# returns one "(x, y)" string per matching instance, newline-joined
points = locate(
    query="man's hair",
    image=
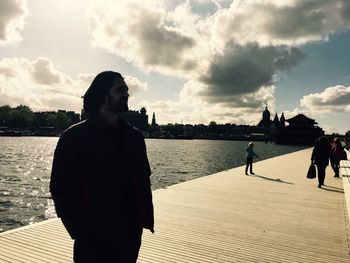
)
(98, 90)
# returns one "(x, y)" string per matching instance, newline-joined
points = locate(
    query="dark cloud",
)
(239, 70)
(9, 10)
(161, 46)
(344, 6)
(289, 58)
(286, 22)
(230, 114)
(242, 70)
(341, 100)
(296, 21)
(309, 18)
(242, 101)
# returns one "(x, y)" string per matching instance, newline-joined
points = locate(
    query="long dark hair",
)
(98, 90)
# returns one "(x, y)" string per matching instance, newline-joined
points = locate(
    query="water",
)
(25, 166)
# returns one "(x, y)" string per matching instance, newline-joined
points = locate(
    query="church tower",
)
(154, 123)
(276, 120)
(283, 120)
(266, 116)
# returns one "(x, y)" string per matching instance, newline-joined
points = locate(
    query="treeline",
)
(23, 118)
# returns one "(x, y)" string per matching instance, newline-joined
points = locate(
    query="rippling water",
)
(25, 165)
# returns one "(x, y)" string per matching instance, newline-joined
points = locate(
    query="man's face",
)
(117, 98)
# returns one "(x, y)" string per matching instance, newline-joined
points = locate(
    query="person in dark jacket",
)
(320, 157)
(337, 154)
(100, 180)
(250, 154)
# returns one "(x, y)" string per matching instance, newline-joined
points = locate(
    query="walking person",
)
(250, 154)
(337, 154)
(320, 157)
(100, 178)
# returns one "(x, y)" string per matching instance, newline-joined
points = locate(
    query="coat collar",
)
(96, 122)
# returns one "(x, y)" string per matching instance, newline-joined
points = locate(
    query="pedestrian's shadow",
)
(277, 180)
(327, 188)
(334, 187)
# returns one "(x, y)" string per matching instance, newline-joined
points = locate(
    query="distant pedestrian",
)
(337, 154)
(249, 158)
(320, 156)
(100, 180)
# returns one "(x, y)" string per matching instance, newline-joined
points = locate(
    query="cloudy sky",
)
(187, 61)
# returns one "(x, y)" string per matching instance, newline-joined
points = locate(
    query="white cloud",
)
(229, 52)
(134, 84)
(153, 37)
(43, 72)
(36, 84)
(290, 22)
(40, 85)
(181, 42)
(12, 19)
(235, 50)
(140, 33)
(332, 100)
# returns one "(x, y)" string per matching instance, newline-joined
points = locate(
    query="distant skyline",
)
(188, 61)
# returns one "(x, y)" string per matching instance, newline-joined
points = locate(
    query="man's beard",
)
(117, 107)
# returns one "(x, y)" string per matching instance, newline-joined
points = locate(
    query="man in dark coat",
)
(100, 177)
(320, 157)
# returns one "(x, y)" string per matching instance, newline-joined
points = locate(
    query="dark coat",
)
(337, 152)
(100, 180)
(321, 153)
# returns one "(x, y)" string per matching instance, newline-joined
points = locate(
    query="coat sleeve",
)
(313, 155)
(143, 192)
(65, 186)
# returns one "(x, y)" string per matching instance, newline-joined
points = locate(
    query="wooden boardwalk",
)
(275, 216)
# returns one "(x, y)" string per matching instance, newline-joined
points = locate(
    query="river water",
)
(25, 166)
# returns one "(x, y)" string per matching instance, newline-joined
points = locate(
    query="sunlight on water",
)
(25, 166)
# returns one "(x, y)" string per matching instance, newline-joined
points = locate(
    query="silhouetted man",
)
(100, 177)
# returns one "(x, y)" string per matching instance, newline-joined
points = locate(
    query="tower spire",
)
(154, 123)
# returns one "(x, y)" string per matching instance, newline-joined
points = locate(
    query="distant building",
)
(282, 121)
(276, 122)
(138, 119)
(265, 122)
(301, 131)
(154, 123)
